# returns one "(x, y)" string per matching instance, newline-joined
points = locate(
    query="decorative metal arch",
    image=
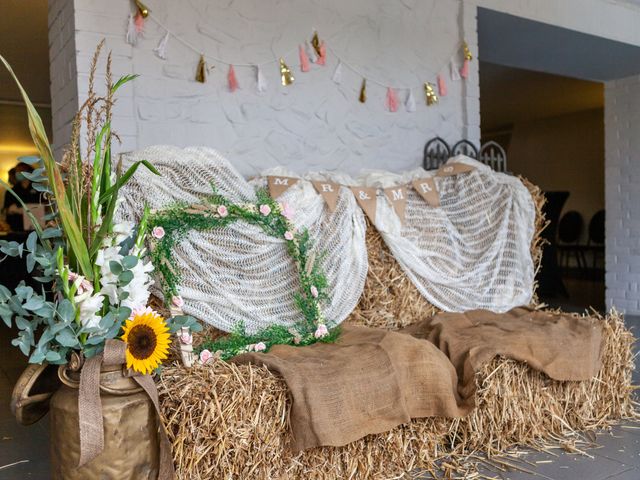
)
(493, 155)
(464, 147)
(436, 153)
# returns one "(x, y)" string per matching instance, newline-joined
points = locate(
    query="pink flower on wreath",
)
(177, 301)
(259, 347)
(158, 232)
(288, 235)
(314, 291)
(286, 211)
(321, 331)
(265, 209)
(205, 356)
(222, 211)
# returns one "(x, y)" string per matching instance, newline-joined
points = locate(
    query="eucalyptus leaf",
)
(115, 267)
(23, 291)
(125, 277)
(67, 338)
(22, 342)
(5, 293)
(32, 241)
(53, 356)
(6, 314)
(66, 311)
(34, 303)
(37, 356)
(31, 262)
(52, 233)
(129, 262)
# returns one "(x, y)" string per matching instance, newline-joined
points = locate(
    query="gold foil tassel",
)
(315, 43)
(201, 71)
(142, 8)
(285, 74)
(363, 91)
(430, 94)
(467, 52)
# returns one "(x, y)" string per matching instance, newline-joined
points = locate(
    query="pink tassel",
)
(233, 81)
(139, 23)
(464, 71)
(322, 59)
(392, 100)
(304, 59)
(442, 86)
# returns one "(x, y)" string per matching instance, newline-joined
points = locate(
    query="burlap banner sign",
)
(453, 169)
(426, 188)
(279, 185)
(330, 192)
(397, 196)
(366, 198)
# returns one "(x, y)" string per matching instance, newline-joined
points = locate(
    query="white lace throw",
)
(471, 252)
(239, 273)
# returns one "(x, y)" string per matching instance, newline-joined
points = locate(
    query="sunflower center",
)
(141, 341)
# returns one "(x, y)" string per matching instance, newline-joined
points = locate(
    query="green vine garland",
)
(167, 228)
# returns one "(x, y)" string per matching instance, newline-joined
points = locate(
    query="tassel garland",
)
(311, 53)
(132, 33)
(466, 51)
(442, 86)
(363, 91)
(286, 76)
(429, 94)
(231, 78)
(322, 58)
(139, 23)
(304, 59)
(201, 71)
(142, 8)
(315, 43)
(337, 74)
(453, 68)
(464, 71)
(161, 49)
(410, 102)
(392, 100)
(261, 82)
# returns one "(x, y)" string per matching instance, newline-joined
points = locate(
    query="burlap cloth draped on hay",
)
(372, 380)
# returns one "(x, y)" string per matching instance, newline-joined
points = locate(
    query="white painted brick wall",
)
(622, 193)
(315, 124)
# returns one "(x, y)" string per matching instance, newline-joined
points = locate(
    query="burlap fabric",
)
(372, 380)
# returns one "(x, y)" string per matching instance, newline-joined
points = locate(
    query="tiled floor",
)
(24, 451)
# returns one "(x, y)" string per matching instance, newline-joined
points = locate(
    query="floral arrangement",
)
(90, 275)
(168, 227)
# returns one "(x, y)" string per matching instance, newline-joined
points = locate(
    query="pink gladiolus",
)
(265, 209)
(158, 232)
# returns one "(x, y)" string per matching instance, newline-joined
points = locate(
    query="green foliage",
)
(179, 219)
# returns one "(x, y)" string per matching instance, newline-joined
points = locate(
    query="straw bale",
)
(229, 421)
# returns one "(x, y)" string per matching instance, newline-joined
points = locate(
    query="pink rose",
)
(288, 235)
(177, 301)
(157, 232)
(187, 339)
(286, 211)
(321, 331)
(250, 347)
(314, 291)
(265, 209)
(259, 347)
(205, 356)
(222, 211)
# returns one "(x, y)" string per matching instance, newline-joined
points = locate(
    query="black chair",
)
(569, 233)
(595, 243)
(550, 282)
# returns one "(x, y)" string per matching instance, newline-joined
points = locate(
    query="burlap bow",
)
(90, 407)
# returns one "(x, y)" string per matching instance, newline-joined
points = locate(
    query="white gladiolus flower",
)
(138, 288)
(88, 309)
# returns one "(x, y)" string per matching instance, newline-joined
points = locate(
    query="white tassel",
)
(311, 52)
(161, 49)
(410, 102)
(261, 81)
(455, 71)
(337, 74)
(132, 34)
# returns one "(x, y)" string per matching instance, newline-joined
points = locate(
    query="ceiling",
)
(512, 95)
(522, 43)
(24, 43)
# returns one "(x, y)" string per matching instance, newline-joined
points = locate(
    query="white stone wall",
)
(622, 193)
(314, 124)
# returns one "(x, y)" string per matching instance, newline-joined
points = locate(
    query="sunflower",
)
(147, 337)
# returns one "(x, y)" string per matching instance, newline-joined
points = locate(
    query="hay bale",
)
(390, 300)
(228, 421)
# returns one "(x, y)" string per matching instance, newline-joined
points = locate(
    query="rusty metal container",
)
(130, 430)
